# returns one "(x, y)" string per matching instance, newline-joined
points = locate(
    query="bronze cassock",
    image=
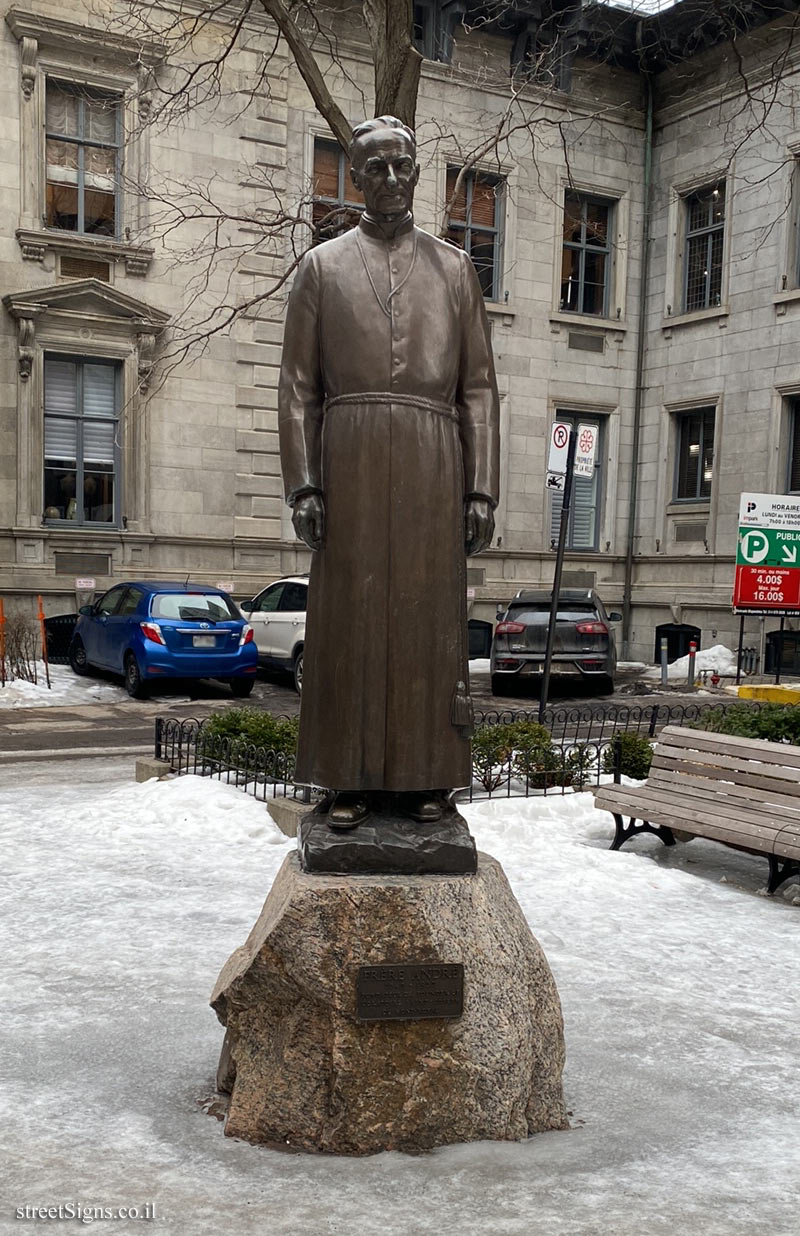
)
(389, 409)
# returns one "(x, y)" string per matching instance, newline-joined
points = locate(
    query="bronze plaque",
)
(409, 992)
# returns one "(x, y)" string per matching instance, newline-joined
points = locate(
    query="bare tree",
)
(212, 228)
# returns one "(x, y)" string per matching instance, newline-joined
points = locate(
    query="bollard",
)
(692, 656)
(40, 616)
(664, 665)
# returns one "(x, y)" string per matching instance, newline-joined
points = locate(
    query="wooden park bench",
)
(742, 792)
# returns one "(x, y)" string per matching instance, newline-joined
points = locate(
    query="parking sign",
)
(585, 451)
(559, 446)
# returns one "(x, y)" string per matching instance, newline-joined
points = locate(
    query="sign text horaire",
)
(768, 555)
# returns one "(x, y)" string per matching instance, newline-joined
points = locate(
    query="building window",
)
(337, 203)
(82, 160)
(793, 479)
(81, 440)
(586, 255)
(433, 28)
(695, 456)
(476, 224)
(705, 238)
(583, 531)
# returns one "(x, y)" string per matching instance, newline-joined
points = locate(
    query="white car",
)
(278, 618)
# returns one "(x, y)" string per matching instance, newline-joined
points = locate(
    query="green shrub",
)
(536, 761)
(247, 726)
(525, 749)
(772, 722)
(580, 765)
(492, 748)
(636, 756)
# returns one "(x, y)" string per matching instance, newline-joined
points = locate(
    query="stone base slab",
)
(287, 814)
(386, 843)
(305, 1072)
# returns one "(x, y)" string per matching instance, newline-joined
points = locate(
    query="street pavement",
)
(128, 726)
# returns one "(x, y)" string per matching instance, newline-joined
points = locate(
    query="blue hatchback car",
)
(148, 630)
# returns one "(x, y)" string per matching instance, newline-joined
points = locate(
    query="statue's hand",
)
(478, 525)
(308, 517)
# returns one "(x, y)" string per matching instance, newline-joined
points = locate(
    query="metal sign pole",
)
(562, 541)
(739, 657)
(779, 652)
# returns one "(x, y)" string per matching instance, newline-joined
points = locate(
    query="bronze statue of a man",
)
(388, 416)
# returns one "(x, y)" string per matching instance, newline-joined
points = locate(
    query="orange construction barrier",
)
(43, 629)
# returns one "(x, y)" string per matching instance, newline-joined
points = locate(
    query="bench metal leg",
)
(779, 871)
(624, 831)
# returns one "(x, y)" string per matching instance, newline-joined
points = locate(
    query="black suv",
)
(584, 645)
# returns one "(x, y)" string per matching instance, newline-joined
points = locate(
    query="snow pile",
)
(123, 901)
(65, 688)
(718, 659)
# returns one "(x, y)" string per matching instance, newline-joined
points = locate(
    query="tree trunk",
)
(397, 62)
(310, 72)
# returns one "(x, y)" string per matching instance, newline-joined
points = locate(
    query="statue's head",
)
(384, 166)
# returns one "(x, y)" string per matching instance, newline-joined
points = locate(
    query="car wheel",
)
(134, 684)
(77, 657)
(297, 672)
(242, 687)
(605, 685)
(501, 684)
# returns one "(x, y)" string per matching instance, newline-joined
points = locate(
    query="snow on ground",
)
(65, 688)
(679, 995)
(718, 658)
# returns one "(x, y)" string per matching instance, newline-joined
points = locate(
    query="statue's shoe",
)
(348, 811)
(426, 808)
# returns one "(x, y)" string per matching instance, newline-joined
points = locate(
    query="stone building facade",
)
(635, 229)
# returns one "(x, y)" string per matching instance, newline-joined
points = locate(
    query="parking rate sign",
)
(768, 555)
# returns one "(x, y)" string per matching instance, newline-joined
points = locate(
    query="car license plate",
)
(204, 641)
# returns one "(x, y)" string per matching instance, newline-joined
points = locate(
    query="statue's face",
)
(385, 172)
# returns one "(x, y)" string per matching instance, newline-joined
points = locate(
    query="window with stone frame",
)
(704, 221)
(337, 203)
(793, 469)
(583, 530)
(476, 224)
(434, 25)
(81, 440)
(586, 259)
(694, 455)
(83, 145)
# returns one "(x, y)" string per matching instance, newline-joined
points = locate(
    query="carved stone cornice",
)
(86, 298)
(35, 244)
(104, 42)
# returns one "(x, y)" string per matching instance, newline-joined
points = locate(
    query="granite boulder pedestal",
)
(309, 1064)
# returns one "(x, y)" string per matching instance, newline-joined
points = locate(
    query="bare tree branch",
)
(310, 72)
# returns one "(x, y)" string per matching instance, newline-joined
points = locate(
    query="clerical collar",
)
(379, 231)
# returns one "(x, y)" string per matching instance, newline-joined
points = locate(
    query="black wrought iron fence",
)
(188, 748)
(573, 723)
(574, 750)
